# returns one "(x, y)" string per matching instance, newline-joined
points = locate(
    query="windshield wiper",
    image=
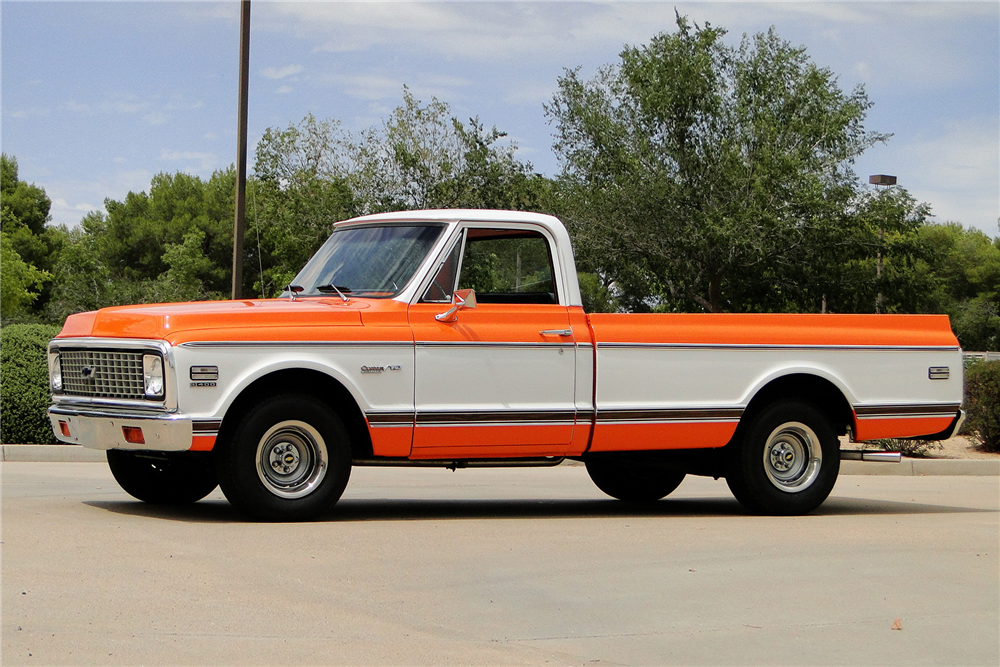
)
(331, 288)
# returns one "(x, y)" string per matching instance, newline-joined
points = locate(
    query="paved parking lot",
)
(529, 566)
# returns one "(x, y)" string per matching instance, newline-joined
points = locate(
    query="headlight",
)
(55, 372)
(152, 375)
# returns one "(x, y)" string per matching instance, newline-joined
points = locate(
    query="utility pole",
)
(240, 223)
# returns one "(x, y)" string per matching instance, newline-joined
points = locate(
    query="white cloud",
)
(284, 90)
(202, 162)
(31, 112)
(156, 118)
(957, 171)
(281, 72)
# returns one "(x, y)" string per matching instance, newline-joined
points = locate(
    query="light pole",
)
(240, 222)
(877, 180)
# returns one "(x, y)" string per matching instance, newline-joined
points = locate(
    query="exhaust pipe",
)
(873, 457)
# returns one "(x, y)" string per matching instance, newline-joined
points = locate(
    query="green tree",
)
(30, 245)
(20, 279)
(172, 244)
(700, 175)
(958, 273)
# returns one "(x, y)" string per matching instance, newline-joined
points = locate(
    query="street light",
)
(877, 180)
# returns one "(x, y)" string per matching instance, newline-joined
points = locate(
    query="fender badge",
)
(379, 369)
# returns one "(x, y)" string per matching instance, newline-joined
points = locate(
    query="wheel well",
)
(818, 391)
(300, 380)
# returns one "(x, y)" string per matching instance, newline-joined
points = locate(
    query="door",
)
(498, 379)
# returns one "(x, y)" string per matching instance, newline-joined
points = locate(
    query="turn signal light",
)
(64, 428)
(133, 434)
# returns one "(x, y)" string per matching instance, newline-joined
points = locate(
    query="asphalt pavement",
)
(500, 567)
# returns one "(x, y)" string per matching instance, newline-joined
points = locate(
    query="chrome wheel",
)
(793, 457)
(292, 459)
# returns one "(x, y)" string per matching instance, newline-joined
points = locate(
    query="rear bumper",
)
(105, 429)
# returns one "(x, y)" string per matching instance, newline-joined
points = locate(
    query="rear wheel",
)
(787, 462)
(631, 481)
(163, 477)
(288, 460)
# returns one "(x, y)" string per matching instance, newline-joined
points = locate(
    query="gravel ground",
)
(961, 447)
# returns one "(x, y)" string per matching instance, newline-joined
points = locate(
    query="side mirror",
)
(460, 300)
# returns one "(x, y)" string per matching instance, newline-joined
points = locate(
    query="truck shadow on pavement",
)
(382, 509)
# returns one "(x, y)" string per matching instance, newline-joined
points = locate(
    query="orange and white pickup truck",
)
(457, 338)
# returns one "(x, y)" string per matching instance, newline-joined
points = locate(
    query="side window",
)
(443, 285)
(508, 266)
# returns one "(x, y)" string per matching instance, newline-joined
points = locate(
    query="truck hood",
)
(275, 319)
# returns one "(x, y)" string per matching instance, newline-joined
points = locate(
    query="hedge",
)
(24, 384)
(982, 403)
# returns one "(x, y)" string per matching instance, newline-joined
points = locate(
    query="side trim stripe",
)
(492, 344)
(297, 343)
(205, 427)
(496, 417)
(383, 419)
(666, 415)
(883, 411)
(750, 346)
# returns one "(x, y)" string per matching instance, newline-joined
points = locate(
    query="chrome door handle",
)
(556, 332)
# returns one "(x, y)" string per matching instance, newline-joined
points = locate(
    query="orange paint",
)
(202, 443)
(775, 329)
(460, 439)
(687, 435)
(391, 441)
(899, 427)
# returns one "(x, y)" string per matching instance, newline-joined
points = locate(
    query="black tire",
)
(289, 459)
(787, 462)
(631, 481)
(169, 478)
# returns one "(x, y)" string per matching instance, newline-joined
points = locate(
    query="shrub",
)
(24, 384)
(982, 403)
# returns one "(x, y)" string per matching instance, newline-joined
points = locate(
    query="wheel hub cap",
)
(793, 457)
(292, 459)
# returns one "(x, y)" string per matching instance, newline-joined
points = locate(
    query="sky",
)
(98, 97)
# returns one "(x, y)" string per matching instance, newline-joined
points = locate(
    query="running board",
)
(453, 464)
(873, 457)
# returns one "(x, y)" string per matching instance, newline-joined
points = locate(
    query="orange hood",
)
(271, 319)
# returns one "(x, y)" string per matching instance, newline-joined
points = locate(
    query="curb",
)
(906, 468)
(922, 467)
(50, 454)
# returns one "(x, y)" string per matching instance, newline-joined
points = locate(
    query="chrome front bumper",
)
(104, 429)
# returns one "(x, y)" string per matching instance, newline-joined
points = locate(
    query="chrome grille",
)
(102, 373)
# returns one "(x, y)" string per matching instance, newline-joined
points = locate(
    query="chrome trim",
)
(668, 415)
(158, 415)
(920, 410)
(776, 346)
(938, 373)
(296, 343)
(390, 419)
(493, 344)
(496, 418)
(169, 401)
(100, 429)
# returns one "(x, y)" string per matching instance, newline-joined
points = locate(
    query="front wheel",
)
(169, 478)
(631, 480)
(288, 460)
(787, 462)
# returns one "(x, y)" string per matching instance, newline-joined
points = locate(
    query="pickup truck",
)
(457, 338)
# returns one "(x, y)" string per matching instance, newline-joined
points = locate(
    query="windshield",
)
(369, 261)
